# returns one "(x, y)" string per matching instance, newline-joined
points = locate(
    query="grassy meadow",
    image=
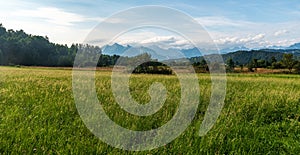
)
(38, 114)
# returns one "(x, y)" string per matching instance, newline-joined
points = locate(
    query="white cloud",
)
(228, 33)
(223, 21)
(149, 38)
(115, 21)
(250, 40)
(281, 32)
(285, 42)
(243, 40)
(53, 15)
(258, 37)
(56, 33)
(160, 39)
(59, 25)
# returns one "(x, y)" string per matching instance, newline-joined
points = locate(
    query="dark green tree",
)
(253, 64)
(288, 61)
(242, 67)
(273, 60)
(230, 64)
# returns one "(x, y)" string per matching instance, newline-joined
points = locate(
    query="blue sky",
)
(230, 23)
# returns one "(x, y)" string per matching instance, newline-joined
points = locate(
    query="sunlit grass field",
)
(38, 114)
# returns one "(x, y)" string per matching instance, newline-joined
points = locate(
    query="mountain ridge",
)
(162, 54)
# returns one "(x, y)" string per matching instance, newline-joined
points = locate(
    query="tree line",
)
(288, 62)
(20, 48)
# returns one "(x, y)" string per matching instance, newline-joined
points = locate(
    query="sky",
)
(232, 23)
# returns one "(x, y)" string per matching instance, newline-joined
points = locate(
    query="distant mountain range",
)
(243, 48)
(164, 54)
(233, 49)
(294, 46)
(155, 51)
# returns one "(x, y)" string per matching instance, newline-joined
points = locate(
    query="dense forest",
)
(19, 48)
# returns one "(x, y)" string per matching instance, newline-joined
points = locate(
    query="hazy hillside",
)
(244, 57)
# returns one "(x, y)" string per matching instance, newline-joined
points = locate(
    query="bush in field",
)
(201, 66)
(152, 67)
(277, 65)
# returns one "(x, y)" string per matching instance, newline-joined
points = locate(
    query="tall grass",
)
(38, 114)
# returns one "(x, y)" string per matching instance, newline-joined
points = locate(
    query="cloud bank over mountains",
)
(230, 24)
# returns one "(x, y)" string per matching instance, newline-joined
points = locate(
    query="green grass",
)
(38, 114)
